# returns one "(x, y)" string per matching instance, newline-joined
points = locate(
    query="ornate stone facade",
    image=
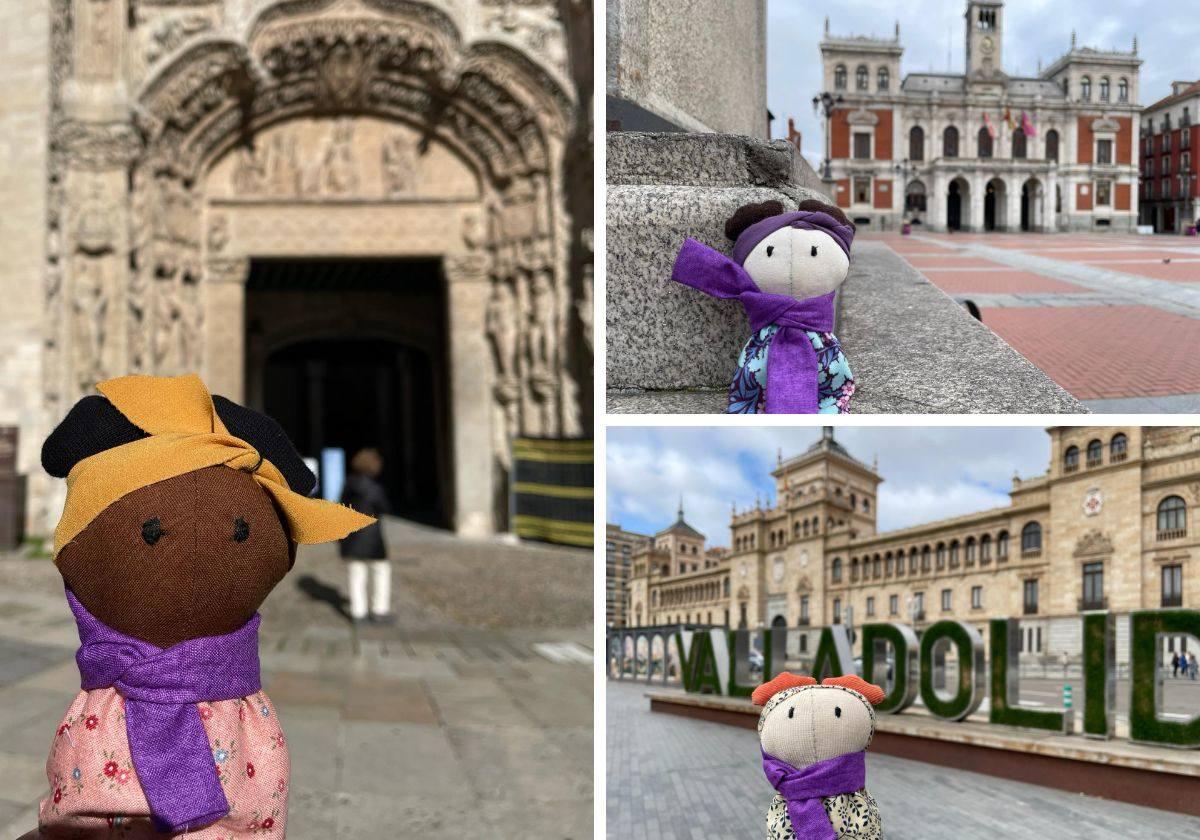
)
(1110, 525)
(936, 149)
(190, 140)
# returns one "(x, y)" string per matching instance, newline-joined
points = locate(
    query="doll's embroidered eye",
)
(814, 250)
(241, 530)
(770, 250)
(792, 712)
(837, 711)
(152, 531)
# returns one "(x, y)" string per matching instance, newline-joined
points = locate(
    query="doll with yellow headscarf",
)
(183, 511)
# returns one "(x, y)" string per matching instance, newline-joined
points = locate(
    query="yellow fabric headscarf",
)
(185, 434)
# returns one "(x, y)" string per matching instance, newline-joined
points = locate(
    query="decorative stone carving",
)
(96, 146)
(336, 172)
(542, 318)
(171, 33)
(504, 331)
(1093, 544)
(399, 166)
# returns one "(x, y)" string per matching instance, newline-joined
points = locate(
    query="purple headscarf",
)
(842, 233)
(802, 789)
(167, 742)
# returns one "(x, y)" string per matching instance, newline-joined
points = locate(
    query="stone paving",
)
(1105, 316)
(675, 778)
(471, 717)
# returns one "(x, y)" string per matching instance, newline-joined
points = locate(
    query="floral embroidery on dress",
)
(835, 382)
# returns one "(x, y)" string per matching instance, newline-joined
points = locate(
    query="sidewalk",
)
(471, 717)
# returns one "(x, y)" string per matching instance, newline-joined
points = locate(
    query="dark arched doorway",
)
(993, 205)
(347, 354)
(954, 202)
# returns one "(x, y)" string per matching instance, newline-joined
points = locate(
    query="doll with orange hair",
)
(814, 739)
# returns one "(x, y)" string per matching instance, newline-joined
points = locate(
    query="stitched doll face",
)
(797, 262)
(814, 723)
(190, 556)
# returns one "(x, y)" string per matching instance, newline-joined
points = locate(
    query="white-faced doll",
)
(785, 269)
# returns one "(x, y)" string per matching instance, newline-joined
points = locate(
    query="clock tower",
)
(984, 21)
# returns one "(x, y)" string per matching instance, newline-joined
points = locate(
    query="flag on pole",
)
(1027, 125)
(1008, 118)
(991, 129)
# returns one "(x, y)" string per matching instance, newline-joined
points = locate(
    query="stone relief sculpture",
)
(336, 172)
(399, 166)
(541, 323)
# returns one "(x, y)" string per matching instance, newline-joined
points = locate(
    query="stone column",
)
(938, 200)
(1049, 216)
(1012, 199)
(470, 396)
(978, 190)
(225, 326)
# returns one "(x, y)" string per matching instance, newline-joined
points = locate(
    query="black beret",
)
(94, 424)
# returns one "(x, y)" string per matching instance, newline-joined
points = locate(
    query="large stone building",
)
(1106, 527)
(1169, 202)
(369, 218)
(936, 148)
(674, 572)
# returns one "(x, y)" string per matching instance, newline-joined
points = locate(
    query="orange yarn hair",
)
(782, 682)
(873, 693)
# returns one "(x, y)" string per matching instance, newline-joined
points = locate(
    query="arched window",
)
(839, 77)
(914, 201)
(1071, 459)
(1002, 546)
(876, 566)
(806, 527)
(954, 554)
(1095, 453)
(862, 78)
(912, 560)
(925, 559)
(950, 142)
(1031, 538)
(1052, 145)
(985, 548)
(941, 556)
(1085, 88)
(985, 143)
(1172, 518)
(1018, 144)
(796, 531)
(970, 551)
(888, 564)
(1118, 447)
(916, 143)
(1104, 88)
(835, 570)
(654, 598)
(853, 502)
(884, 78)
(853, 569)
(1123, 90)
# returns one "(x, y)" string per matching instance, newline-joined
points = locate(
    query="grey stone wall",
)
(699, 65)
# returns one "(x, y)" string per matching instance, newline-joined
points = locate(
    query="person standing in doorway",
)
(1174, 664)
(364, 550)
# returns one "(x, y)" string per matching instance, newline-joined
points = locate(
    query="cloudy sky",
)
(1033, 29)
(929, 472)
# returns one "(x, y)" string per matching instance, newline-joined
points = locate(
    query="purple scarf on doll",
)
(161, 687)
(802, 789)
(792, 364)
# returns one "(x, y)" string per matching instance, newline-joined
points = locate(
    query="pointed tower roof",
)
(681, 528)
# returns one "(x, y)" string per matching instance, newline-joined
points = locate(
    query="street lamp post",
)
(825, 102)
(902, 171)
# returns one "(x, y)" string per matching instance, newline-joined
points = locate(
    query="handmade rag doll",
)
(814, 740)
(785, 270)
(182, 513)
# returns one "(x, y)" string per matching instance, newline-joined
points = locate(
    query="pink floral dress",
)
(94, 791)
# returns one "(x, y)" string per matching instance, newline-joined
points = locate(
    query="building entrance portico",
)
(994, 205)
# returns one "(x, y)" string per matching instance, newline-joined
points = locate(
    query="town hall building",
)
(981, 150)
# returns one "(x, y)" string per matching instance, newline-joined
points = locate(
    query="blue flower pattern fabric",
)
(835, 382)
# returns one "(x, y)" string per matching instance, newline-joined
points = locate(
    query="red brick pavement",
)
(1098, 352)
(1010, 281)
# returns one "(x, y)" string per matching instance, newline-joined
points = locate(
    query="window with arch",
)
(985, 548)
(941, 556)
(888, 565)
(985, 143)
(876, 566)
(1052, 144)
(862, 78)
(1118, 447)
(916, 143)
(853, 569)
(1071, 459)
(853, 501)
(954, 554)
(726, 587)
(835, 570)
(1123, 90)
(1172, 518)
(806, 526)
(969, 552)
(796, 531)
(950, 142)
(925, 554)
(912, 561)
(839, 77)
(654, 598)
(1002, 546)
(1018, 144)
(1085, 88)
(1095, 453)
(1104, 88)
(1031, 538)
(866, 505)
(883, 78)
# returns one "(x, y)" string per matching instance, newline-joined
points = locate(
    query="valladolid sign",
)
(706, 665)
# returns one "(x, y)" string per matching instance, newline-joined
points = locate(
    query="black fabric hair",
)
(94, 425)
(749, 214)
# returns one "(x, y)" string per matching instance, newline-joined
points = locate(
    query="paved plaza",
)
(471, 717)
(675, 778)
(1112, 318)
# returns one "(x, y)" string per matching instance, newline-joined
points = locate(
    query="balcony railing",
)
(1086, 605)
(1174, 534)
(1031, 609)
(1070, 468)
(1031, 552)
(1118, 457)
(803, 622)
(1172, 600)
(1094, 462)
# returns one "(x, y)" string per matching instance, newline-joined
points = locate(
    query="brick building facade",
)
(982, 150)
(1168, 166)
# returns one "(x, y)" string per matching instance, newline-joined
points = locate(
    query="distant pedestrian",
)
(1174, 664)
(364, 550)
(1192, 665)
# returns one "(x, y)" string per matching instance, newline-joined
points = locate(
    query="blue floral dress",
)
(835, 382)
